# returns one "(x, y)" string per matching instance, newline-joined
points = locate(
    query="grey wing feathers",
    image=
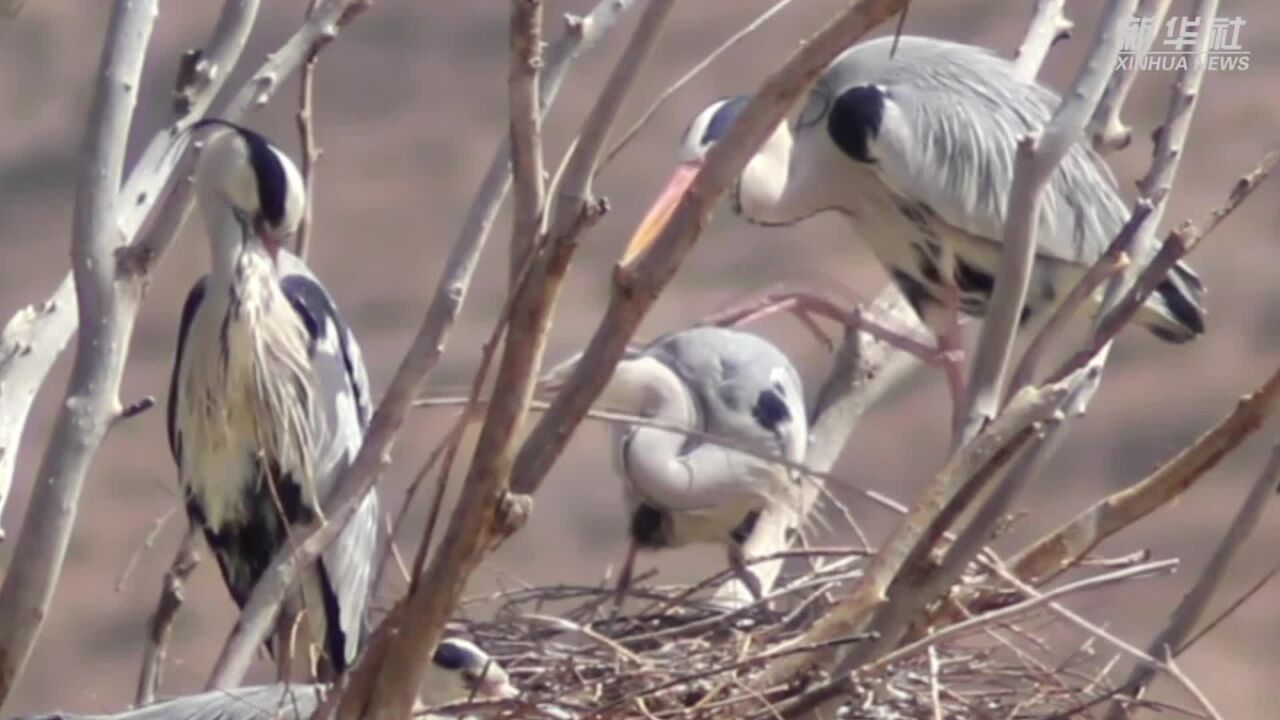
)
(266, 702)
(953, 116)
(342, 385)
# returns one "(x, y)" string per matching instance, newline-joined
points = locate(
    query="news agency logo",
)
(1175, 47)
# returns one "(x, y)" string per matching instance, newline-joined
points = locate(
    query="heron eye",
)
(816, 106)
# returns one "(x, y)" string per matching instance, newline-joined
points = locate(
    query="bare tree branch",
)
(1192, 607)
(636, 288)
(259, 611)
(26, 356)
(812, 699)
(160, 626)
(307, 138)
(526, 131)
(107, 306)
(36, 336)
(386, 682)
(1036, 161)
(863, 369)
(1048, 25)
(965, 473)
(1108, 131)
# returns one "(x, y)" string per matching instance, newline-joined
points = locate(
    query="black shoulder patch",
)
(189, 307)
(451, 656)
(855, 121)
(723, 119)
(770, 410)
(273, 182)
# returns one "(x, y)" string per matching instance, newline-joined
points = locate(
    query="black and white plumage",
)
(917, 152)
(460, 671)
(269, 398)
(681, 489)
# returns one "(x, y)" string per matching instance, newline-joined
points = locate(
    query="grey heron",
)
(681, 489)
(460, 671)
(268, 402)
(916, 150)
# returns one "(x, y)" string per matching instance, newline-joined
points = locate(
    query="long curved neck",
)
(647, 387)
(234, 257)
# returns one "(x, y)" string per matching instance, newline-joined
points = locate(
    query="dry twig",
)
(160, 627)
(1183, 620)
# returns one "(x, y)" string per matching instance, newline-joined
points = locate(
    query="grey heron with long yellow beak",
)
(269, 401)
(683, 489)
(916, 149)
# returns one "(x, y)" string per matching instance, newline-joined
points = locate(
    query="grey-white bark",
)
(582, 34)
(107, 307)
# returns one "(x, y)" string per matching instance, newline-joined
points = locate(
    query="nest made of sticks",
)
(666, 653)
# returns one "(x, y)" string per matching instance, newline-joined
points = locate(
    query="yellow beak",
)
(660, 214)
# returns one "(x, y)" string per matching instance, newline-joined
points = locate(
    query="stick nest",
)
(668, 654)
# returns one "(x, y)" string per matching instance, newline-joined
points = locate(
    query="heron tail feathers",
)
(1175, 311)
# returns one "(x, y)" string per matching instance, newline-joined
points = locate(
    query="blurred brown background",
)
(411, 104)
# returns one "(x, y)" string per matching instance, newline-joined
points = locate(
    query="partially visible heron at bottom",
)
(459, 672)
(268, 404)
(682, 489)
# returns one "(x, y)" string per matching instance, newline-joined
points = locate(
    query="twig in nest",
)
(147, 544)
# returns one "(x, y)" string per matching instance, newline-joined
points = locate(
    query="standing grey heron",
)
(917, 151)
(681, 489)
(269, 401)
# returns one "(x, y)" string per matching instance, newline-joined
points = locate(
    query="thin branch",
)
(160, 626)
(107, 306)
(635, 288)
(1036, 160)
(964, 474)
(388, 678)
(1177, 245)
(307, 138)
(526, 130)
(1170, 139)
(1189, 611)
(692, 73)
(813, 698)
(1106, 128)
(1112, 261)
(1049, 24)
(255, 621)
(1060, 550)
(36, 336)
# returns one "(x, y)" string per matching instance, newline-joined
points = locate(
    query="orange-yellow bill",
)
(658, 216)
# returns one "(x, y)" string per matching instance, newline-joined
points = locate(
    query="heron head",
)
(461, 671)
(247, 175)
(765, 170)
